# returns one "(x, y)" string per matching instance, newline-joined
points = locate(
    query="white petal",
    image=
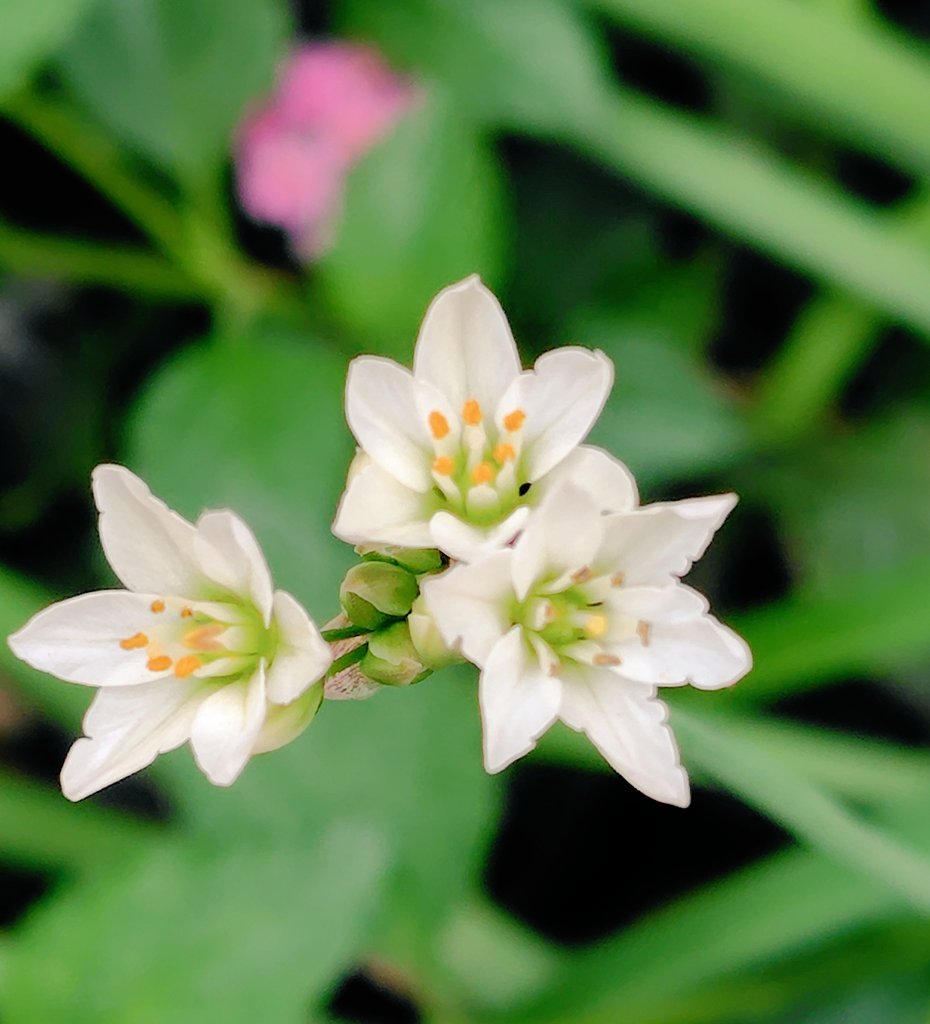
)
(126, 729)
(302, 655)
(227, 726)
(467, 543)
(378, 508)
(285, 723)
(672, 604)
(628, 726)
(229, 555)
(78, 640)
(605, 478)
(519, 701)
(561, 398)
(649, 544)
(465, 348)
(150, 547)
(561, 536)
(470, 604)
(382, 413)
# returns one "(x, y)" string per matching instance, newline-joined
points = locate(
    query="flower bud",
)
(392, 659)
(432, 650)
(373, 593)
(416, 560)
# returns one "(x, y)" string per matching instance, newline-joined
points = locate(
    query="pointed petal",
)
(652, 543)
(228, 554)
(467, 543)
(285, 723)
(563, 535)
(78, 640)
(628, 726)
(605, 478)
(519, 701)
(150, 548)
(302, 655)
(378, 508)
(227, 726)
(126, 729)
(470, 604)
(562, 398)
(465, 348)
(381, 408)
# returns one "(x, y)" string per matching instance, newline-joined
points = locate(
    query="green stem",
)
(343, 633)
(349, 658)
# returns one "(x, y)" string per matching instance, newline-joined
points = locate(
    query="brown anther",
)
(605, 659)
(186, 666)
(157, 606)
(582, 574)
(438, 425)
(482, 473)
(133, 642)
(203, 638)
(514, 420)
(471, 412)
(644, 631)
(504, 453)
(186, 613)
(444, 466)
(160, 663)
(617, 579)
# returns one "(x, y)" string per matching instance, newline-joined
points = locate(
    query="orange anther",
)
(504, 453)
(186, 666)
(203, 638)
(133, 642)
(471, 412)
(186, 613)
(482, 473)
(157, 606)
(644, 630)
(159, 663)
(514, 420)
(443, 466)
(438, 425)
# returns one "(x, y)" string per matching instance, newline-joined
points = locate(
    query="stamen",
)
(582, 574)
(133, 642)
(504, 453)
(482, 473)
(438, 425)
(514, 420)
(444, 466)
(617, 579)
(605, 659)
(186, 666)
(186, 613)
(160, 663)
(203, 638)
(595, 625)
(157, 606)
(644, 631)
(471, 412)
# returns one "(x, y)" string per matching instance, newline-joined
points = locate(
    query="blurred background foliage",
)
(729, 197)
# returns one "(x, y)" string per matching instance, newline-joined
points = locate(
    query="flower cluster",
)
(488, 532)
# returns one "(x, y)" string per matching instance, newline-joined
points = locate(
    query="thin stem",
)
(343, 633)
(348, 659)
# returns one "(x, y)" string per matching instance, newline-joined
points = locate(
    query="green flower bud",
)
(430, 646)
(373, 593)
(392, 659)
(416, 560)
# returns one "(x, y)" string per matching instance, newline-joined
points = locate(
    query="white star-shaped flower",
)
(199, 646)
(581, 620)
(455, 454)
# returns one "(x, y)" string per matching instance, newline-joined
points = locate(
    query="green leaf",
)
(172, 78)
(238, 932)
(30, 32)
(422, 210)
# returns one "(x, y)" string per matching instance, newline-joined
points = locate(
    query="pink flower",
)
(333, 102)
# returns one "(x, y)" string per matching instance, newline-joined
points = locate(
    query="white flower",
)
(197, 647)
(456, 453)
(580, 621)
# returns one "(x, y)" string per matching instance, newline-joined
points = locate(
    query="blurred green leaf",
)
(172, 78)
(238, 932)
(422, 210)
(30, 32)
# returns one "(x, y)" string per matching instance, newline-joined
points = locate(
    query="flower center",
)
(476, 468)
(212, 639)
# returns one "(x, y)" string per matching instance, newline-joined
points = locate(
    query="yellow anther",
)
(158, 664)
(134, 642)
(504, 453)
(438, 425)
(514, 420)
(203, 638)
(605, 659)
(617, 579)
(157, 606)
(482, 473)
(595, 625)
(186, 666)
(443, 466)
(644, 630)
(471, 412)
(186, 613)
